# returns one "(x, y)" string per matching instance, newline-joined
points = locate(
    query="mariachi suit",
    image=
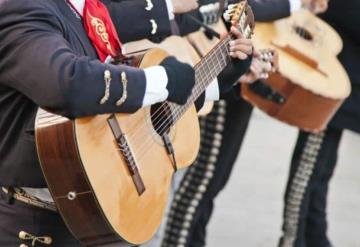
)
(47, 60)
(223, 131)
(315, 155)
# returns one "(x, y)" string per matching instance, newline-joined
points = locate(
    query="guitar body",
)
(310, 81)
(89, 178)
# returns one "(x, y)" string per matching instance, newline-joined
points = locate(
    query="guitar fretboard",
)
(205, 72)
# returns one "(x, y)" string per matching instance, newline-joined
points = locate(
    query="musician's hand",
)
(181, 80)
(258, 70)
(183, 6)
(240, 47)
(241, 54)
(315, 6)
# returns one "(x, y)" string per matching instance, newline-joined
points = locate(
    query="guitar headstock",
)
(241, 16)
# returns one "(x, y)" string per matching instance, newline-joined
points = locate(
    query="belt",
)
(20, 195)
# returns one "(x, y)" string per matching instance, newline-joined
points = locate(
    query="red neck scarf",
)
(101, 30)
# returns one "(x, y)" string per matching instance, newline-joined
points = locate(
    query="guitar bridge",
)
(126, 152)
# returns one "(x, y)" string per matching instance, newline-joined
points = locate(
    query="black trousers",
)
(312, 164)
(16, 216)
(238, 114)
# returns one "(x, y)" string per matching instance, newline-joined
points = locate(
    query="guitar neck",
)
(206, 71)
(211, 65)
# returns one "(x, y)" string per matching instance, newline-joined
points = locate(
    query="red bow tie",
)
(101, 30)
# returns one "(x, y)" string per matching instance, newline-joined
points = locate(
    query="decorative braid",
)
(298, 188)
(196, 180)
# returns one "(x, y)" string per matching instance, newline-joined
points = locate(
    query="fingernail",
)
(232, 43)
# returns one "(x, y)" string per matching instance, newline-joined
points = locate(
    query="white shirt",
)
(295, 5)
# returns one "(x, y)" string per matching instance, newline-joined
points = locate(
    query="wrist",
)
(296, 5)
(181, 79)
(171, 75)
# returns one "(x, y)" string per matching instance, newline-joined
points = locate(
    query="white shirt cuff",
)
(295, 5)
(156, 82)
(212, 91)
(170, 8)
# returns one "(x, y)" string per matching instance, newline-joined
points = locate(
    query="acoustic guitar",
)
(110, 174)
(310, 84)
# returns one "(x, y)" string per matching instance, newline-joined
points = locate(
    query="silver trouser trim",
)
(20, 195)
(196, 180)
(298, 187)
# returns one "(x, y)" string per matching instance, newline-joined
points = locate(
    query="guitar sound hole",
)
(161, 118)
(303, 33)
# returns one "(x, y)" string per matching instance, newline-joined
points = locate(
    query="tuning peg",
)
(227, 16)
(228, 13)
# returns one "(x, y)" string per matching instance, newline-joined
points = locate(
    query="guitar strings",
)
(159, 117)
(180, 110)
(144, 147)
(161, 109)
(160, 127)
(141, 150)
(177, 112)
(160, 112)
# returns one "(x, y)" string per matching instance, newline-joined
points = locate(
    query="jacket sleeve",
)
(140, 19)
(38, 62)
(270, 10)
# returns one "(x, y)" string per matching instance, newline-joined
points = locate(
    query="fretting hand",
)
(240, 50)
(240, 47)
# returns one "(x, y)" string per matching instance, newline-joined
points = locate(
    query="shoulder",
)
(14, 8)
(20, 13)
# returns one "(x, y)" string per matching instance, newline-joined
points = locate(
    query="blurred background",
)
(249, 210)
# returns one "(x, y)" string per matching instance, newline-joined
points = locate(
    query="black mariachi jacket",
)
(139, 19)
(47, 60)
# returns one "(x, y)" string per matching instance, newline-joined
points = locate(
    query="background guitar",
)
(311, 84)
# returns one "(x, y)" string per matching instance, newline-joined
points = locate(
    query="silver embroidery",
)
(149, 5)
(154, 26)
(298, 188)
